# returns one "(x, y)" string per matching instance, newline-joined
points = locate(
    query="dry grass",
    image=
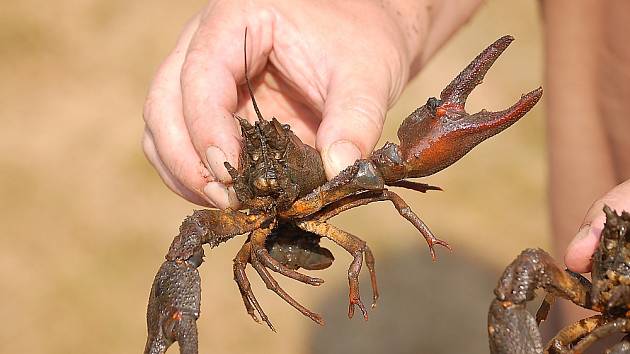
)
(86, 221)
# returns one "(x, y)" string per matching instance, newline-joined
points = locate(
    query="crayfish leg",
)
(376, 196)
(622, 347)
(405, 211)
(618, 325)
(361, 176)
(572, 333)
(244, 256)
(273, 285)
(240, 277)
(257, 241)
(260, 254)
(357, 248)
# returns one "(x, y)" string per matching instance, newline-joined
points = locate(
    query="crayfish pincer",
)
(287, 201)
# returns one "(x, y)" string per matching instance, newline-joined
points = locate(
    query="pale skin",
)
(332, 69)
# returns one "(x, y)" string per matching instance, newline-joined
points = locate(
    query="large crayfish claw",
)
(439, 133)
(174, 306)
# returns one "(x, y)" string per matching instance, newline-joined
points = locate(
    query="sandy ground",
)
(86, 221)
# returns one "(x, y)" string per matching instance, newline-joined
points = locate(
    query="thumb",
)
(580, 250)
(353, 118)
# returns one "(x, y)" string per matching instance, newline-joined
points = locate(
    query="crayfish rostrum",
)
(282, 186)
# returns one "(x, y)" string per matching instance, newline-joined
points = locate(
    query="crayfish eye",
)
(432, 104)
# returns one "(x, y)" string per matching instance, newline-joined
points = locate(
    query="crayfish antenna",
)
(249, 86)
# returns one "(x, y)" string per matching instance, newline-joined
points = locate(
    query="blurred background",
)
(86, 221)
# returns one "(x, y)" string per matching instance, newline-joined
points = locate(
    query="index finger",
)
(213, 67)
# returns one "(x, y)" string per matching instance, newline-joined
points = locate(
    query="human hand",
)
(329, 69)
(581, 249)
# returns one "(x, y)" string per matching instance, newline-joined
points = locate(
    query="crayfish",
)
(282, 186)
(512, 329)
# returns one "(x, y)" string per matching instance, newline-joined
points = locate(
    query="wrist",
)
(428, 24)
(413, 19)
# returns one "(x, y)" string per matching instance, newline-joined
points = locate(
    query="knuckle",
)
(147, 143)
(365, 112)
(180, 171)
(194, 62)
(154, 107)
(148, 108)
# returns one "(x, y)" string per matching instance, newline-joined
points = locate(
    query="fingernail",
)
(583, 233)
(580, 249)
(233, 199)
(216, 158)
(585, 240)
(218, 194)
(589, 231)
(342, 154)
